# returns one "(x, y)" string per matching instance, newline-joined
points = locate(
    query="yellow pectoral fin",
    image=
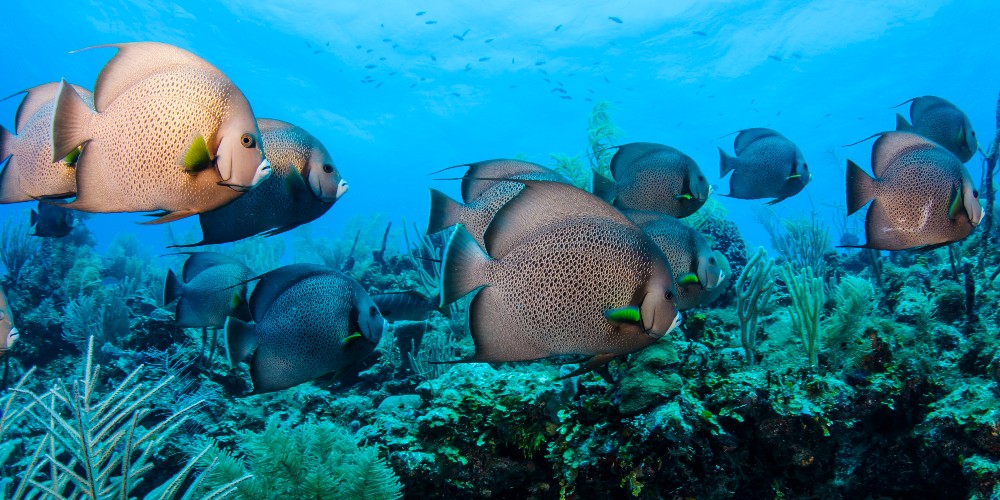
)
(350, 338)
(197, 157)
(683, 197)
(627, 314)
(687, 279)
(71, 158)
(794, 176)
(957, 204)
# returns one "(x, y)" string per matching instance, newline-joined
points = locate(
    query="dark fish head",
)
(800, 169)
(323, 177)
(697, 184)
(710, 272)
(369, 321)
(967, 142)
(8, 334)
(658, 306)
(240, 153)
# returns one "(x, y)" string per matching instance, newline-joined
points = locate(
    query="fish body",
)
(410, 305)
(695, 266)
(213, 288)
(922, 195)
(766, 165)
(30, 172)
(563, 273)
(304, 184)
(309, 321)
(483, 195)
(650, 176)
(943, 123)
(170, 133)
(8, 332)
(51, 221)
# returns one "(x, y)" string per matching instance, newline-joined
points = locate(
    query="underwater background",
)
(893, 393)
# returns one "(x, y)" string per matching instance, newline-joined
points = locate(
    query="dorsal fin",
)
(542, 203)
(481, 175)
(629, 153)
(135, 62)
(198, 262)
(920, 106)
(890, 145)
(272, 284)
(751, 135)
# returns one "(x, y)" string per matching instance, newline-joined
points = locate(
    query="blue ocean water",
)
(684, 74)
(399, 90)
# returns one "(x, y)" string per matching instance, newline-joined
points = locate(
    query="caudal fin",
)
(860, 187)
(173, 289)
(241, 340)
(901, 124)
(462, 273)
(726, 163)
(6, 144)
(603, 188)
(70, 120)
(445, 212)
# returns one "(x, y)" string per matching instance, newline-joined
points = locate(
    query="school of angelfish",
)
(555, 270)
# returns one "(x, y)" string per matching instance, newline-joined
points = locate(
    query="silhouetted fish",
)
(615, 19)
(766, 165)
(657, 177)
(941, 122)
(214, 287)
(409, 305)
(51, 221)
(8, 332)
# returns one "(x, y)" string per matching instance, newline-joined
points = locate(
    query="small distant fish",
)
(923, 195)
(379, 84)
(459, 37)
(357, 47)
(941, 122)
(8, 332)
(606, 80)
(369, 51)
(591, 91)
(488, 40)
(766, 165)
(318, 51)
(430, 22)
(392, 73)
(386, 39)
(559, 27)
(420, 13)
(456, 94)
(213, 288)
(414, 85)
(656, 177)
(370, 66)
(512, 60)
(395, 45)
(700, 33)
(468, 66)
(539, 63)
(433, 57)
(309, 321)
(566, 97)
(547, 80)
(559, 90)
(615, 19)
(51, 221)
(559, 84)
(466, 32)
(774, 57)
(484, 59)
(382, 58)
(513, 86)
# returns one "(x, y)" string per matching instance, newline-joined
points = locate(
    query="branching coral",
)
(571, 167)
(807, 294)
(853, 304)
(801, 242)
(753, 291)
(602, 135)
(16, 248)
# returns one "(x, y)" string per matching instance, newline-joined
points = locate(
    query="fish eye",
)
(372, 311)
(711, 260)
(975, 193)
(669, 295)
(701, 177)
(247, 141)
(328, 168)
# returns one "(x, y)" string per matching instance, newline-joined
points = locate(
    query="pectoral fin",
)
(350, 338)
(295, 185)
(957, 205)
(688, 279)
(197, 157)
(794, 176)
(683, 197)
(74, 155)
(627, 314)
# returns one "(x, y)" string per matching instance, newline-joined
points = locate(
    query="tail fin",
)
(726, 163)
(173, 289)
(445, 212)
(603, 188)
(462, 271)
(901, 124)
(33, 218)
(860, 187)
(241, 340)
(70, 120)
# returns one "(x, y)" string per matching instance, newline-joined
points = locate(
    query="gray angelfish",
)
(922, 196)
(303, 186)
(30, 172)
(168, 132)
(483, 194)
(941, 122)
(214, 287)
(309, 321)
(695, 266)
(51, 221)
(8, 332)
(656, 177)
(409, 305)
(766, 165)
(565, 273)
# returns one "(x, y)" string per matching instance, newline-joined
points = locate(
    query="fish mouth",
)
(262, 173)
(12, 336)
(673, 325)
(341, 189)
